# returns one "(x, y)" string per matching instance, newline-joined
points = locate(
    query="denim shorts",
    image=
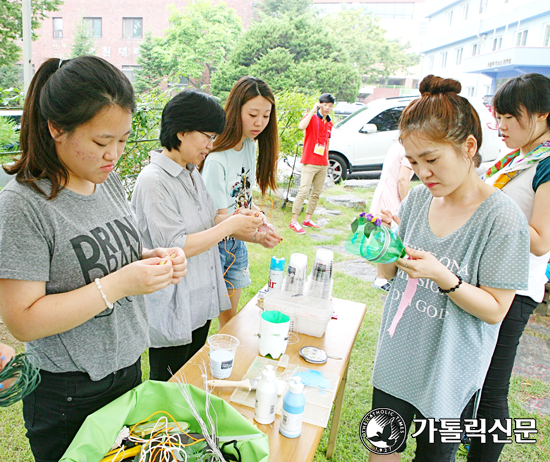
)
(238, 274)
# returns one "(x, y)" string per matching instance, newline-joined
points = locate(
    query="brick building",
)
(118, 27)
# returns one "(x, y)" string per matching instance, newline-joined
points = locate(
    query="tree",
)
(291, 107)
(199, 39)
(280, 7)
(11, 25)
(291, 53)
(364, 39)
(10, 76)
(152, 65)
(396, 57)
(9, 135)
(83, 43)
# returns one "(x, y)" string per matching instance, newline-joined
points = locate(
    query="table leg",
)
(336, 416)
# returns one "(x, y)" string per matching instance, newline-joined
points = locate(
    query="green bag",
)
(100, 429)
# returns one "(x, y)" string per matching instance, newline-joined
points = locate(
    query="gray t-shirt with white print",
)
(68, 242)
(439, 354)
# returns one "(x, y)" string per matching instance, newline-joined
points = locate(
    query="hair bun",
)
(434, 85)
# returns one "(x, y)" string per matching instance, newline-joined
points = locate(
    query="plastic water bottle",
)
(293, 409)
(276, 273)
(266, 397)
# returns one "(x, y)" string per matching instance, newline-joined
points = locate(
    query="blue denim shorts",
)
(238, 274)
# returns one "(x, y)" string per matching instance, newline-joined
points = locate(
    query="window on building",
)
(431, 63)
(57, 27)
(464, 10)
(476, 49)
(132, 27)
(497, 43)
(130, 72)
(521, 38)
(482, 6)
(459, 52)
(546, 37)
(443, 60)
(449, 19)
(93, 27)
(470, 91)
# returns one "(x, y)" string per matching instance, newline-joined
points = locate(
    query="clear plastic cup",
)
(295, 279)
(222, 354)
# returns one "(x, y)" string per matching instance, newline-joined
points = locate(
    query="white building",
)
(482, 43)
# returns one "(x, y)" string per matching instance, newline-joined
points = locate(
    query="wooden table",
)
(338, 341)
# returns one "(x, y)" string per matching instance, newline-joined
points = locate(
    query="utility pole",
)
(27, 41)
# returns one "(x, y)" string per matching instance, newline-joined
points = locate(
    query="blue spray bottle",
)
(294, 402)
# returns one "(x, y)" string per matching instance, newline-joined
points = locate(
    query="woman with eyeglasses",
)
(172, 205)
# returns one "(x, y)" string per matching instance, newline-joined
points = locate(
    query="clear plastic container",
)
(310, 315)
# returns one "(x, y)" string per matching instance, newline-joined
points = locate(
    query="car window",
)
(351, 116)
(387, 120)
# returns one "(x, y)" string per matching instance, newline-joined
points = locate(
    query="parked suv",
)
(360, 142)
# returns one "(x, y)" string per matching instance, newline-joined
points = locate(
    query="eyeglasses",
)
(212, 137)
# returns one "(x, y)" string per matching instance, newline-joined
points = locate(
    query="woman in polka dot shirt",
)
(467, 253)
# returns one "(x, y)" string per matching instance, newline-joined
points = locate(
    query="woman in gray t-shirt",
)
(73, 266)
(467, 247)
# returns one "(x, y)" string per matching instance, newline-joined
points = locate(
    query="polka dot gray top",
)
(439, 354)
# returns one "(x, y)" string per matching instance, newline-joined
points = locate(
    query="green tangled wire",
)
(26, 375)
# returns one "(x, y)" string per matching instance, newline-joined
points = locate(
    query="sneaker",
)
(310, 224)
(382, 284)
(295, 226)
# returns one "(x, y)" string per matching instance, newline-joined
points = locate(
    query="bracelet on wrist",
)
(254, 238)
(107, 302)
(452, 289)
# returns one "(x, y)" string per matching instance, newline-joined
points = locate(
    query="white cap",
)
(296, 386)
(268, 373)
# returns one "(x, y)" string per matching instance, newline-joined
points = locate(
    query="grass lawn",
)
(14, 447)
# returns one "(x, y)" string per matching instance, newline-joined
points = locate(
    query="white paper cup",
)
(222, 354)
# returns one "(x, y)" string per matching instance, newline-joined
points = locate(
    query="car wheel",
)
(337, 167)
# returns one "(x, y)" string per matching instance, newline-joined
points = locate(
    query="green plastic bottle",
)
(373, 241)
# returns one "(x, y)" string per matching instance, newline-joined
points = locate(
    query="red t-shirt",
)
(317, 135)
